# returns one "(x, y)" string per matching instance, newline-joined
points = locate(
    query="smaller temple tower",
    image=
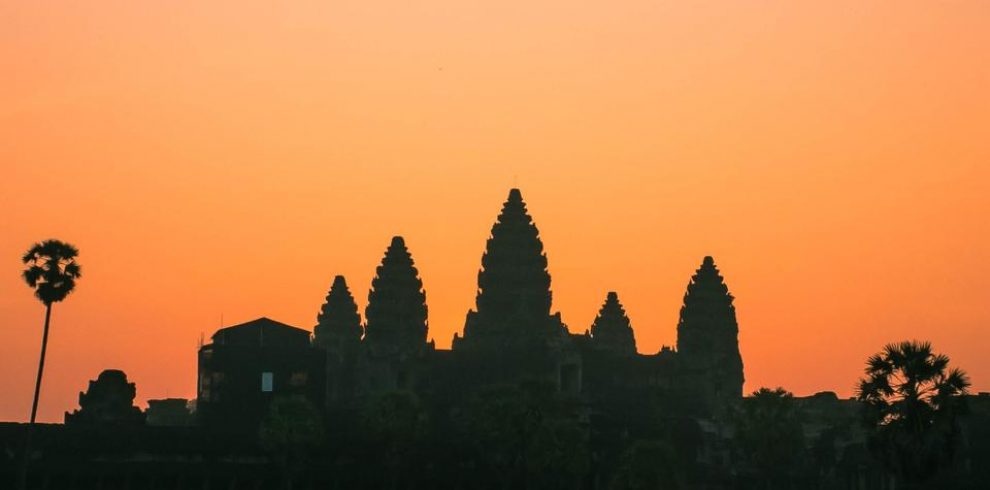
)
(108, 401)
(338, 331)
(708, 335)
(396, 312)
(396, 329)
(611, 331)
(338, 324)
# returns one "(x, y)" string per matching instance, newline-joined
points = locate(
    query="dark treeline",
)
(530, 436)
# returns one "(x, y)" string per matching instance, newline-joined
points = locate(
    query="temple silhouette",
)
(512, 336)
(519, 401)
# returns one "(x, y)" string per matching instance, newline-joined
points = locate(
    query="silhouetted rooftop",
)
(260, 332)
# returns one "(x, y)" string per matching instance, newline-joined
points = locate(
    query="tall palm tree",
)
(52, 272)
(911, 402)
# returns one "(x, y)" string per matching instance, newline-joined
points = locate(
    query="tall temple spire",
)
(611, 330)
(514, 279)
(708, 334)
(338, 322)
(513, 284)
(396, 312)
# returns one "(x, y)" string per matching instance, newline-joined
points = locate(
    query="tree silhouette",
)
(769, 439)
(649, 465)
(396, 311)
(52, 272)
(522, 436)
(911, 403)
(611, 330)
(395, 424)
(292, 427)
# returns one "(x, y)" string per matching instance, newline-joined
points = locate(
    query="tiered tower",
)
(611, 330)
(512, 336)
(513, 301)
(708, 335)
(338, 331)
(338, 325)
(396, 312)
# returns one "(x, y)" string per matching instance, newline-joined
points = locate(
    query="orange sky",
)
(217, 158)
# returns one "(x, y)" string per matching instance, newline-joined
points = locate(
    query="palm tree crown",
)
(907, 381)
(52, 270)
(911, 402)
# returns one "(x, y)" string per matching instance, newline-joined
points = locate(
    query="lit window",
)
(267, 382)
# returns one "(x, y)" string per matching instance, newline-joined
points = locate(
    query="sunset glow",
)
(215, 162)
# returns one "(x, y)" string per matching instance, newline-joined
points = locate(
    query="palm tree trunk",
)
(22, 476)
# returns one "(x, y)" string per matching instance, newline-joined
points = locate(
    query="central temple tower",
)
(513, 300)
(512, 333)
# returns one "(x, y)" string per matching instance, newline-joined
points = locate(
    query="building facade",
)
(247, 365)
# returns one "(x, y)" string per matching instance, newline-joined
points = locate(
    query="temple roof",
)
(260, 332)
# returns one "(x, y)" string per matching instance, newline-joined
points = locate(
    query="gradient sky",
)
(228, 158)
